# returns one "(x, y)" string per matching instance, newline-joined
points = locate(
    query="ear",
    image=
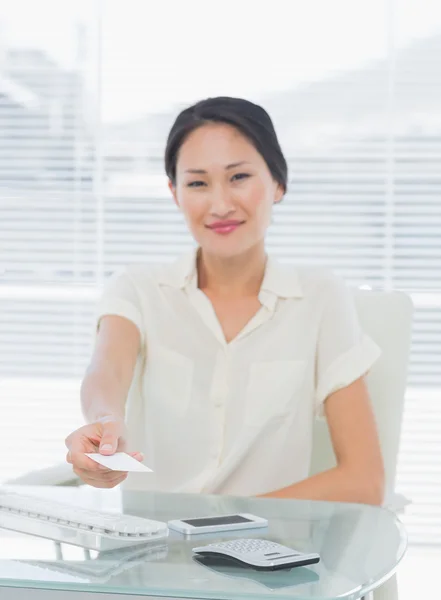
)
(172, 189)
(280, 192)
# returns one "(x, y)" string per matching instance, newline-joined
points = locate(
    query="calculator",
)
(259, 554)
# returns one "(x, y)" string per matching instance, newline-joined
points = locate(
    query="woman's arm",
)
(103, 396)
(359, 474)
(108, 378)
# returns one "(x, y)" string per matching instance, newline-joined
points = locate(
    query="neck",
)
(232, 277)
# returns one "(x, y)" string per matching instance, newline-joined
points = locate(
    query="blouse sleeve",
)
(345, 353)
(120, 297)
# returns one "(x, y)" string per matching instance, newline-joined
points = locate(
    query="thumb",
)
(111, 433)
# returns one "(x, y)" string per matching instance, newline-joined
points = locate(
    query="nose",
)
(221, 205)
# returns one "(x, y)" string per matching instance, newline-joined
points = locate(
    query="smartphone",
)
(216, 524)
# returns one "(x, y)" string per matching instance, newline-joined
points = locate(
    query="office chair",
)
(387, 318)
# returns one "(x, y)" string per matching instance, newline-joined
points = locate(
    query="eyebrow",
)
(230, 166)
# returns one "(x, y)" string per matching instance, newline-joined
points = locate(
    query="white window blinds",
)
(82, 189)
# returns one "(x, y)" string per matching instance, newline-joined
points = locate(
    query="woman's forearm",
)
(102, 394)
(336, 485)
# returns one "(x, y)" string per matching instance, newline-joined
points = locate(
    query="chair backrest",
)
(387, 318)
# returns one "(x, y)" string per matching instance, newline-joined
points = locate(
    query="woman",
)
(225, 357)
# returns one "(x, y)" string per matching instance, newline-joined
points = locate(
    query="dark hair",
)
(250, 119)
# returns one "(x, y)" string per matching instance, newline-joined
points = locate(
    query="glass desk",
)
(360, 548)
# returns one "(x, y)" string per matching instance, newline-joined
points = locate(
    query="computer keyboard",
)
(91, 529)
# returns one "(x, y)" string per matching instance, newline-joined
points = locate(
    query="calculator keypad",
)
(248, 546)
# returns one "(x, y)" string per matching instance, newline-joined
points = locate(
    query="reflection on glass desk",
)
(360, 547)
(96, 567)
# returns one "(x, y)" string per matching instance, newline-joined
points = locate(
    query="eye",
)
(195, 184)
(239, 176)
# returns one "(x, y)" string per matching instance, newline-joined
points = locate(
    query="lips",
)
(225, 226)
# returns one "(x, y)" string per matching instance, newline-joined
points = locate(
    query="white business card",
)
(120, 461)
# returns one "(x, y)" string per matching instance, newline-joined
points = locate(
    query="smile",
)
(226, 227)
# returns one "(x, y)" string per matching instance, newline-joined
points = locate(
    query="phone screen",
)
(207, 521)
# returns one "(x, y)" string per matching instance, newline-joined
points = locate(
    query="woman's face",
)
(225, 190)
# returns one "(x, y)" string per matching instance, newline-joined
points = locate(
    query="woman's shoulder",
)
(137, 275)
(142, 275)
(313, 280)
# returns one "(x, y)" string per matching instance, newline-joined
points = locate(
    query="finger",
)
(70, 459)
(69, 438)
(105, 484)
(84, 441)
(109, 484)
(88, 435)
(99, 476)
(81, 461)
(138, 455)
(111, 432)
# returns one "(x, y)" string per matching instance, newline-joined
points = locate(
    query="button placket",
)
(220, 391)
